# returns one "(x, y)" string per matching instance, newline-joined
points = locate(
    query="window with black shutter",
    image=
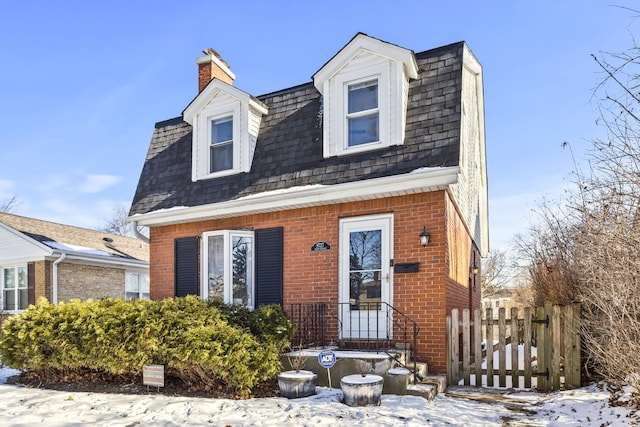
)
(31, 283)
(186, 266)
(269, 274)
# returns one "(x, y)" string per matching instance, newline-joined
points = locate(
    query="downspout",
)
(54, 295)
(139, 235)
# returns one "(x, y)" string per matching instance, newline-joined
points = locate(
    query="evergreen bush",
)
(203, 343)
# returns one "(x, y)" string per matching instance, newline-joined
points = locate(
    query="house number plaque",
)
(320, 246)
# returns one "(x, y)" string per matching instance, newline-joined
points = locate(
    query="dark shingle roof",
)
(289, 146)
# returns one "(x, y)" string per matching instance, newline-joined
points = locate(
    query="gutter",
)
(139, 235)
(54, 295)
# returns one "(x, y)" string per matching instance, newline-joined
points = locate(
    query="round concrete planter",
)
(362, 391)
(294, 384)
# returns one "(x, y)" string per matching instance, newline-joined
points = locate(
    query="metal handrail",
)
(311, 322)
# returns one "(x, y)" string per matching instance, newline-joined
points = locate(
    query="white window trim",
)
(203, 141)
(228, 270)
(364, 57)
(380, 73)
(220, 99)
(15, 267)
(359, 114)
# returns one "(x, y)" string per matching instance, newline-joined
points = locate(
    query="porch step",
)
(429, 387)
(422, 369)
(405, 349)
(399, 381)
(438, 381)
(365, 344)
(426, 391)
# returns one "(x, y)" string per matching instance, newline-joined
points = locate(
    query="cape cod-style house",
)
(357, 200)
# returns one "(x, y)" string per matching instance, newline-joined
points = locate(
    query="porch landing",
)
(397, 379)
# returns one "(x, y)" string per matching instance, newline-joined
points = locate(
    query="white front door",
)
(365, 277)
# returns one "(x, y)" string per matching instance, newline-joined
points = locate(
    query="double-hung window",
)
(136, 285)
(221, 148)
(363, 113)
(15, 295)
(228, 258)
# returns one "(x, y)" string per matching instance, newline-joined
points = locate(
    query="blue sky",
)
(82, 84)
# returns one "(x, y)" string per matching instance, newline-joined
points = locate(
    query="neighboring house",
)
(507, 298)
(62, 262)
(317, 196)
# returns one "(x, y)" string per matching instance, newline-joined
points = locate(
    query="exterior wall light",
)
(424, 237)
(474, 269)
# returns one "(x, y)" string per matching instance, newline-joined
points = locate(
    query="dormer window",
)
(363, 114)
(365, 88)
(221, 150)
(225, 124)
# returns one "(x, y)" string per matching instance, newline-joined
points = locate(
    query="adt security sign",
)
(327, 359)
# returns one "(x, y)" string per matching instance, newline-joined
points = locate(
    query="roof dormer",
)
(225, 122)
(365, 88)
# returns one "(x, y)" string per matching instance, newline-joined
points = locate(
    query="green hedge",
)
(203, 343)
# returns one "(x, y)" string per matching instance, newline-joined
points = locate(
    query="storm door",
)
(365, 277)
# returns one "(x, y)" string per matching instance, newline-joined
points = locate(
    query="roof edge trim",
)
(417, 181)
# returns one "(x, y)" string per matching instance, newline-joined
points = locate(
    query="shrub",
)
(205, 344)
(268, 323)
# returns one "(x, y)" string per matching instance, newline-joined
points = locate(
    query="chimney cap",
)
(212, 52)
(210, 66)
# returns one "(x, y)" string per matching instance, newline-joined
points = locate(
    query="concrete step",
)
(422, 369)
(437, 381)
(428, 391)
(429, 387)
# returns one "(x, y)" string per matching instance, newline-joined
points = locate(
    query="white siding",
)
(16, 248)
(470, 192)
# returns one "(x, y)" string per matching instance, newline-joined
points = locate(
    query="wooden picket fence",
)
(553, 331)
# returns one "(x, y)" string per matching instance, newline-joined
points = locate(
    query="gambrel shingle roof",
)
(289, 149)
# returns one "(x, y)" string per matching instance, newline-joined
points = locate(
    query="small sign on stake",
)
(153, 375)
(326, 359)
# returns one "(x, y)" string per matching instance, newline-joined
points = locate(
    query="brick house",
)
(61, 262)
(358, 200)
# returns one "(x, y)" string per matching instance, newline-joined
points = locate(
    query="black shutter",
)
(269, 266)
(186, 266)
(31, 283)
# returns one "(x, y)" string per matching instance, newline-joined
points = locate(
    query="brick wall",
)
(43, 280)
(313, 276)
(77, 281)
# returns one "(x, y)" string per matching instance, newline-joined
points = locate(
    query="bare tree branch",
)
(9, 205)
(118, 224)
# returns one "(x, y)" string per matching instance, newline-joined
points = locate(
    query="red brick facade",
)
(309, 276)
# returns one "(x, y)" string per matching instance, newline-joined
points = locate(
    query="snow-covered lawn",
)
(584, 407)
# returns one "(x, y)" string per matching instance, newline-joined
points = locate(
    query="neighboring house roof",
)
(289, 152)
(77, 242)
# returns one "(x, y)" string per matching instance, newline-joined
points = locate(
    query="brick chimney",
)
(212, 65)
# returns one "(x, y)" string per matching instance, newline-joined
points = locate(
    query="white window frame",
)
(228, 236)
(379, 73)
(142, 282)
(219, 99)
(203, 146)
(360, 114)
(16, 289)
(213, 144)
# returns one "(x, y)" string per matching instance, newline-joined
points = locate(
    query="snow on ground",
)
(584, 407)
